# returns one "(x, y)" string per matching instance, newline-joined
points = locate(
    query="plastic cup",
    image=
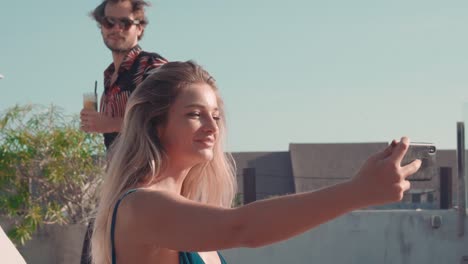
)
(90, 101)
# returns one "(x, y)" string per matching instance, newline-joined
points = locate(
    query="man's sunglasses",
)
(123, 23)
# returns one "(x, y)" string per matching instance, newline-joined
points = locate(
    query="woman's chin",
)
(205, 155)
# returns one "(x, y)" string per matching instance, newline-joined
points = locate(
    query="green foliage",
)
(49, 169)
(238, 200)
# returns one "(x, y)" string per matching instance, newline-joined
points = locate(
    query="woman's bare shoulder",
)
(147, 198)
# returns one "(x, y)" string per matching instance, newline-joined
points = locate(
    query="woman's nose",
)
(211, 125)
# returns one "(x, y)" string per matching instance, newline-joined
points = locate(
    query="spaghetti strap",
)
(184, 257)
(114, 216)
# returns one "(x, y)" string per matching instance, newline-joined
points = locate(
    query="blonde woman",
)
(169, 186)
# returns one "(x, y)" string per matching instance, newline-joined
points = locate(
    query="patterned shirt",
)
(133, 70)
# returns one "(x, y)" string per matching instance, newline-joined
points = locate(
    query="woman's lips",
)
(209, 142)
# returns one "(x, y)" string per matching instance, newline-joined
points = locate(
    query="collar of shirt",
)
(126, 63)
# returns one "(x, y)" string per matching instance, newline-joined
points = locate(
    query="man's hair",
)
(138, 9)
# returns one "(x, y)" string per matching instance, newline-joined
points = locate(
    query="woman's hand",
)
(382, 179)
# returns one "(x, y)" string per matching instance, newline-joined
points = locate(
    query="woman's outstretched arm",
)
(167, 220)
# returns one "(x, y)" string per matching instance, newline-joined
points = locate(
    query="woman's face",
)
(192, 129)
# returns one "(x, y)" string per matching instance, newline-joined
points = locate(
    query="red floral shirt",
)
(133, 70)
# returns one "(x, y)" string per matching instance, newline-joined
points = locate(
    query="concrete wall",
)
(55, 244)
(318, 165)
(311, 166)
(360, 237)
(368, 237)
(273, 172)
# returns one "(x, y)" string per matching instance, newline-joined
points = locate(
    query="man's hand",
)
(95, 122)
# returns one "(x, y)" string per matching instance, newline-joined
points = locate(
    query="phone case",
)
(426, 152)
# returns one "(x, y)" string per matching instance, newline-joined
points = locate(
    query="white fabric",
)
(9, 253)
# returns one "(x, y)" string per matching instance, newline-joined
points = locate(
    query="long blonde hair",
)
(137, 155)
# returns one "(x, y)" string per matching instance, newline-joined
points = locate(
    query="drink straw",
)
(95, 95)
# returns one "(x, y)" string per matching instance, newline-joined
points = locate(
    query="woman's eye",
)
(217, 118)
(194, 114)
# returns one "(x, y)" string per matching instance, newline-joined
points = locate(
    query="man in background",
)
(122, 24)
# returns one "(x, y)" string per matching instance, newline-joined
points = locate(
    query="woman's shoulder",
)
(142, 213)
(144, 200)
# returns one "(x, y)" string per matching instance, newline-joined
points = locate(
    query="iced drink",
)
(90, 101)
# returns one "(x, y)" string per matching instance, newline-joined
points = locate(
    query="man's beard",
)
(122, 49)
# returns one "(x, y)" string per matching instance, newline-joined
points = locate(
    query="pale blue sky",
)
(290, 71)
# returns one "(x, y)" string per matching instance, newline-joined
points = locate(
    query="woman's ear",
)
(160, 131)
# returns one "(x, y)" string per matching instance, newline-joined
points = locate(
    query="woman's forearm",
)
(276, 219)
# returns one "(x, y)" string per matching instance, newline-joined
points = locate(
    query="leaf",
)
(49, 169)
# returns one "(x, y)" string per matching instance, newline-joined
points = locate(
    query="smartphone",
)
(426, 152)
